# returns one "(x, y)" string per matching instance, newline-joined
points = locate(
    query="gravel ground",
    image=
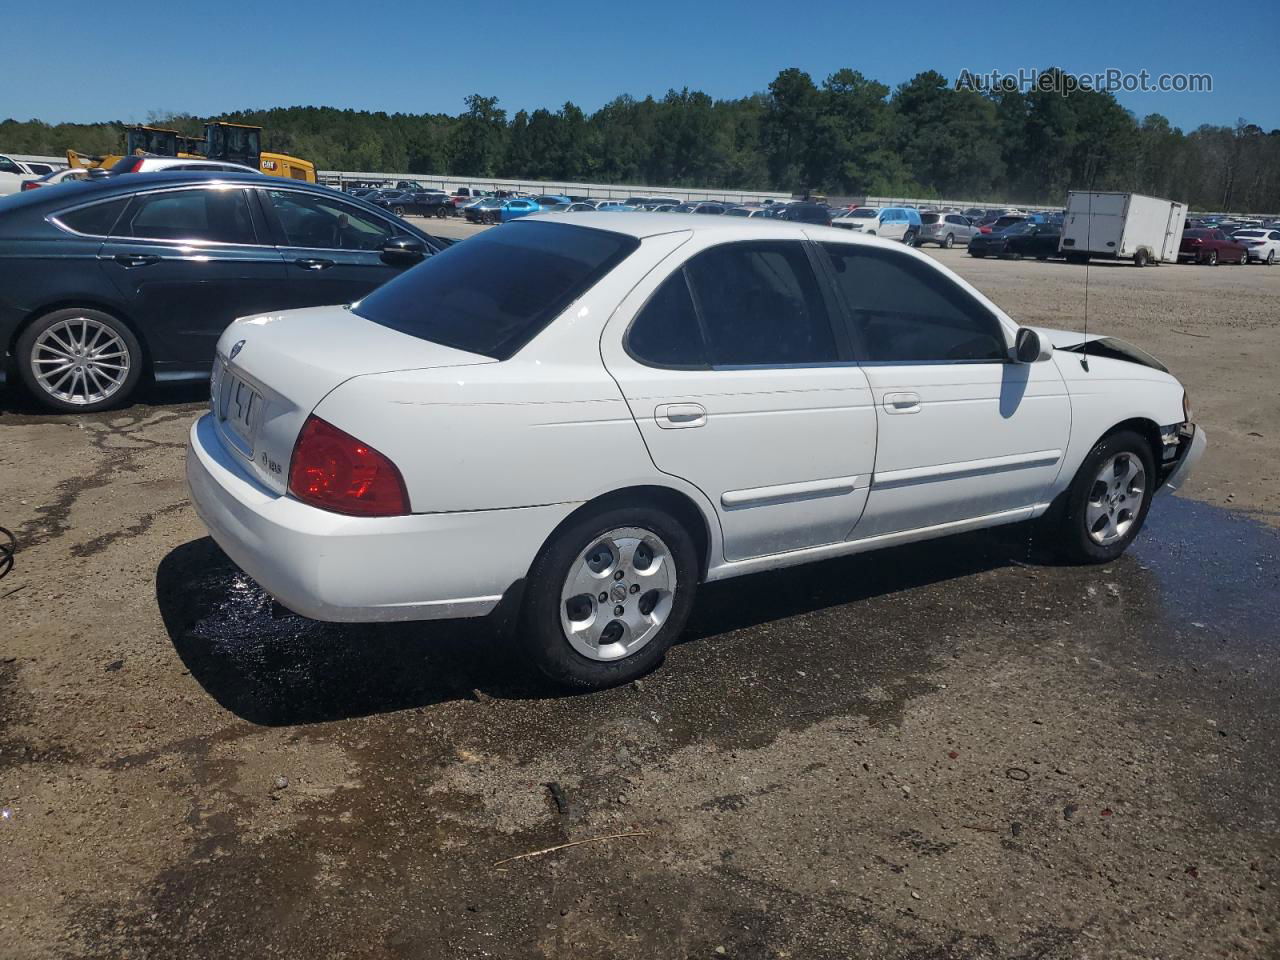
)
(945, 750)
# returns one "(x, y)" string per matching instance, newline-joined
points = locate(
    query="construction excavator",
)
(227, 142)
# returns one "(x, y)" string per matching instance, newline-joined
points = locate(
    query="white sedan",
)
(1261, 244)
(592, 417)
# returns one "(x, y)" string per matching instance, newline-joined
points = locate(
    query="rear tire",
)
(948, 241)
(100, 355)
(1104, 508)
(1140, 258)
(591, 552)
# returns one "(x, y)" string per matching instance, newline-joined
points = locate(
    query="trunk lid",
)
(271, 371)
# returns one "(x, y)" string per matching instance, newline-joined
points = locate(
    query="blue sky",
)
(95, 61)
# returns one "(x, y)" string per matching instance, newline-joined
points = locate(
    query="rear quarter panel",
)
(549, 425)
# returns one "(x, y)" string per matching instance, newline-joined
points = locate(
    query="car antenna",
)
(1088, 243)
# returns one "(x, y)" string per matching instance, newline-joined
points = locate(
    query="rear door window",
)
(494, 292)
(760, 305)
(210, 215)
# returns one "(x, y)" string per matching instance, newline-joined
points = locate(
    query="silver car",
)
(945, 229)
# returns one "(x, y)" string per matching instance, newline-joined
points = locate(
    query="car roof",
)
(642, 224)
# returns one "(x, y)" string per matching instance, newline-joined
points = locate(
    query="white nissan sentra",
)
(595, 417)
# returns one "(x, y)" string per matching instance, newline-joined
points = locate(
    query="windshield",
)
(494, 292)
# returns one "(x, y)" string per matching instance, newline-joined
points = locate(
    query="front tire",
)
(1107, 502)
(1211, 259)
(79, 360)
(643, 562)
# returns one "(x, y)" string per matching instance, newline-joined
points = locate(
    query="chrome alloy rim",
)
(618, 594)
(79, 360)
(1115, 498)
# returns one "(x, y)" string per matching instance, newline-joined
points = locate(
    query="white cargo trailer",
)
(1121, 226)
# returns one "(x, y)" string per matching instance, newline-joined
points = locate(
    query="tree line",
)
(848, 135)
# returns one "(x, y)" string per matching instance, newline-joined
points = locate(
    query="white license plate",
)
(239, 410)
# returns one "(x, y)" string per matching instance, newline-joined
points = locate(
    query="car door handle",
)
(901, 403)
(677, 416)
(313, 263)
(136, 259)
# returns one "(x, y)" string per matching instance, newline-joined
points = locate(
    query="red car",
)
(1211, 246)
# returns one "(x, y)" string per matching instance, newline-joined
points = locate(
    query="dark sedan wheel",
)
(1211, 258)
(441, 213)
(79, 360)
(398, 211)
(976, 253)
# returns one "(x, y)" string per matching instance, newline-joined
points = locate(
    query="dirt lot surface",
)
(947, 750)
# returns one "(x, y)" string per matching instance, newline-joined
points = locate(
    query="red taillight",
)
(134, 165)
(29, 184)
(334, 471)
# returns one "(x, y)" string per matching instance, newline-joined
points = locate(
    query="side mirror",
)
(1027, 347)
(403, 250)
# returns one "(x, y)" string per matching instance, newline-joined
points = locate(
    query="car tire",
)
(909, 238)
(948, 241)
(110, 366)
(398, 211)
(567, 561)
(1244, 259)
(1140, 258)
(1211, 258)
(441, 213)
(1104, 508)
(977, 253)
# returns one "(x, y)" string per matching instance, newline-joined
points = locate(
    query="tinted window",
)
(95, 220)
(905, 311)
(931, 218)
(324, 223)
(496, 291)
(214, 215)
(665, 333)
(760, 305)
(8, 166)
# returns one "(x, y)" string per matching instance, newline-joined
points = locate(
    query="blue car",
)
(498, 210)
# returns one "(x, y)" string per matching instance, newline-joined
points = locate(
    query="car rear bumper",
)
(356, 569)
(1183, 470)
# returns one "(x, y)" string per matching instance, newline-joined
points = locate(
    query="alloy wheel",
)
(617, 594)
(1115, 499)
(80, 361)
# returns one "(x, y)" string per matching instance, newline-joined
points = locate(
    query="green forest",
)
(847, 135)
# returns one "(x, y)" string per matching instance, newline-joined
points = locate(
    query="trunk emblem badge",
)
(235, 349)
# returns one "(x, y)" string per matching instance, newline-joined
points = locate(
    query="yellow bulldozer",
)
(225, 142)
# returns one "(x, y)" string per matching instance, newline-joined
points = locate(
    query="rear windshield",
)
(492, 293)
(929, 218)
